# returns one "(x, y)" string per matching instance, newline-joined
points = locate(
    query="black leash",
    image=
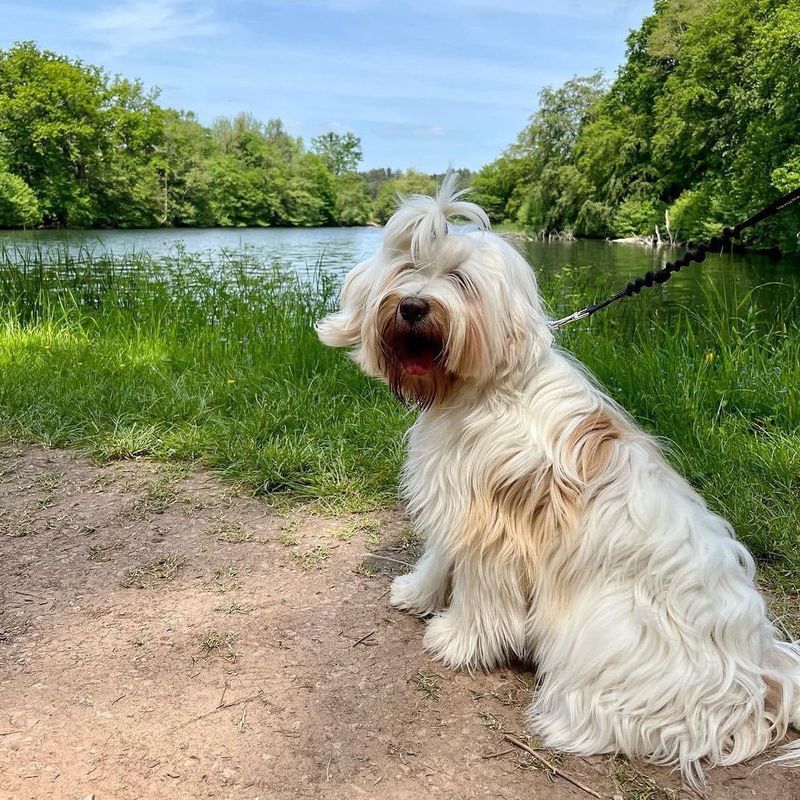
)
(698, 254)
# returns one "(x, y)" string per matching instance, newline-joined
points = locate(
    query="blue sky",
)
(424, 83)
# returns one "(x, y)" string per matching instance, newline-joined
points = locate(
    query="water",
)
(341, 248)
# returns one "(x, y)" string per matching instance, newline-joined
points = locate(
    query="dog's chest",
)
(455, 463)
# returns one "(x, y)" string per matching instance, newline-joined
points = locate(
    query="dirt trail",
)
(162, 637)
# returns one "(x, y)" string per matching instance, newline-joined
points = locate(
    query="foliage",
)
(218, 362)
(353, 204)
(700, 119)
(410, 182)
(341, 152)
(78, 148)
(18, 204)
(636, 216)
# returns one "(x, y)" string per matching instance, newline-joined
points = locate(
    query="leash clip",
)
(573, 317)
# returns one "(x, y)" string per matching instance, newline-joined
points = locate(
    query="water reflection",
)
(341, 248)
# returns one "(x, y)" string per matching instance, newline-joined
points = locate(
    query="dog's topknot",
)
(420, 221)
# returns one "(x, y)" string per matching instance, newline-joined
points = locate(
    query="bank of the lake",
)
(300, 249)
(131, 355)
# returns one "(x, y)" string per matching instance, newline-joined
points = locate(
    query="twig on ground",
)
(497, 755)
(219, 708)
(364, 638)
(552, 767)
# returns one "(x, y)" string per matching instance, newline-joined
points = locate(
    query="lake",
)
(341, 248)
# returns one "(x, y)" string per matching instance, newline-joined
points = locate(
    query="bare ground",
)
(162, 637)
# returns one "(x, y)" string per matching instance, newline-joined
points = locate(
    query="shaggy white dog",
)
(555, 530)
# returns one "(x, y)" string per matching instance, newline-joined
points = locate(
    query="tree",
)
(390, 192)
(340, 152)
(52, 127)
(701, 119)
(550, 193)
(353, 204)
(126, 189)
(183, 170)
(18, 204)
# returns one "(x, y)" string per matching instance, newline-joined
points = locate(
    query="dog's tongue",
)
(417, 363)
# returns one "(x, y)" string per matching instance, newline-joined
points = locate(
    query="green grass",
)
(185, 361)
(136, 357)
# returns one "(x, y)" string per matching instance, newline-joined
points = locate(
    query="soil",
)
(162, 636)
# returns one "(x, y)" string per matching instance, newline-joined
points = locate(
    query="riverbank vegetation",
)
(181, 361)
(79, 148)
(698, 130)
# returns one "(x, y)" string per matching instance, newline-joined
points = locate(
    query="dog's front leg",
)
(485, 623)
(424, 590)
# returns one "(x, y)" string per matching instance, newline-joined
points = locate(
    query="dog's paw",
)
(405, 594)
(453, 643)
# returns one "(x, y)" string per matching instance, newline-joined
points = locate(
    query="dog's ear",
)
(343, 327)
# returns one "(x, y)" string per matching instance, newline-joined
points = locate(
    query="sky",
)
(423, 83)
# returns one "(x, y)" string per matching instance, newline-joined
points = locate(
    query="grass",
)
(161, 492)
(367, 525)
(187, 361)
(223, 644)
(428, 683)
(161, 569)
(634, 784)
(312, 559)
(234, 608)
(231, 532)
(225, 579)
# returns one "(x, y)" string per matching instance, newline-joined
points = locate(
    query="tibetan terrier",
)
(555, 530)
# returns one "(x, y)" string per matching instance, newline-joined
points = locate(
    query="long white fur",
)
(634, 600)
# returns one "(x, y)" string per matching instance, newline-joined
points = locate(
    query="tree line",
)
(699, 129)
(80, 148)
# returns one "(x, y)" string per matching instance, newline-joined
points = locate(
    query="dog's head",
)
(436, 309)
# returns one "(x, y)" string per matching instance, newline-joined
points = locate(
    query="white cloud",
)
(144, 22)
(410, 130)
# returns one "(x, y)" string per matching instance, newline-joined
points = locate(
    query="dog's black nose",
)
(414, 309)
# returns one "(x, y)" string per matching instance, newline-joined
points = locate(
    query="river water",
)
(338, 249)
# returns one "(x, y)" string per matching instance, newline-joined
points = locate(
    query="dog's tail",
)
(420, 221)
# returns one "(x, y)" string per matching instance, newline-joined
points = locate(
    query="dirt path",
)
(161, 637)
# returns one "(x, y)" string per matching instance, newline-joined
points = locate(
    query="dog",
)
(556, 532)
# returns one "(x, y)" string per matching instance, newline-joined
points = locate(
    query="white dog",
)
(555, 530)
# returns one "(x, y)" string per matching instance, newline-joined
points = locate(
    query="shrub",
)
(18, 204)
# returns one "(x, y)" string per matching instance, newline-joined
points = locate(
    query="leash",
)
(698, 254)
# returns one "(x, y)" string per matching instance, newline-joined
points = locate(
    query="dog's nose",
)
(414, 309)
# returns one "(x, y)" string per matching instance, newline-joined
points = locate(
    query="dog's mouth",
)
(418, 352)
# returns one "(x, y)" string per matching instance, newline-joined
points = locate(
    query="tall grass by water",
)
(218, 363)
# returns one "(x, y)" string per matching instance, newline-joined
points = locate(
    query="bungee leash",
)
(697, 254)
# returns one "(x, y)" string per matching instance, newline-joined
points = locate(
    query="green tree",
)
(701, 119)
(390, 192)
(52, 126)
(340, 152)
(494, 187)
(182, 171)
(550, 194)
(18, 204)
(353, 203)
(127, 189)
